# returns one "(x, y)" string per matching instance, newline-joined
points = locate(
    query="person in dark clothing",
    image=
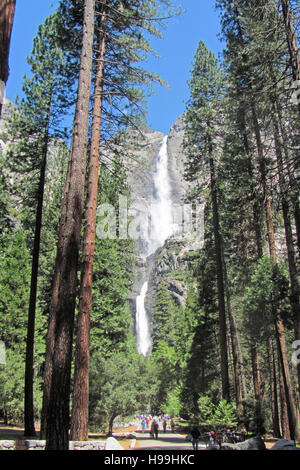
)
(195, 433)
(172, 425)
(165, 424)
(156, 429)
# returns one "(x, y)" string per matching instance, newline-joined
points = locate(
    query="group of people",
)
(195, 434)
(214, 437)
(152, 424)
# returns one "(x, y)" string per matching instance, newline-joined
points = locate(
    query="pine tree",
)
(109, 21)
(58, 406)
(201, 146)
(245, 26)
(32, 127)
(79, 421)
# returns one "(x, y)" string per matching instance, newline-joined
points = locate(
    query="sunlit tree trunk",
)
(79, 419)
(57, 428)
(53, 306)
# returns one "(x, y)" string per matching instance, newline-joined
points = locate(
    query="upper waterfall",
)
(161, 226)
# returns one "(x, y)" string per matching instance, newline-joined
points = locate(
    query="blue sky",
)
(198, 22)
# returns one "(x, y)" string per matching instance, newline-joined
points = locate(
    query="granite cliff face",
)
(176, 161)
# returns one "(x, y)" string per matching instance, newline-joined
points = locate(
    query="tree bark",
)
(257, 386)
(79, 419)
(237, 356)
(273, 389)
(28, 405)
(7, 13)
(293, 193)
(53, 306)
(57, 432)
(220, 283)
(284, 419)
(295, 288)
(279, 327)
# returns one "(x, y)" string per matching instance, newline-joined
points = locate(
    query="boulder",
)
(7, 445)
(284, 444)
(113, 444)
(254, 443)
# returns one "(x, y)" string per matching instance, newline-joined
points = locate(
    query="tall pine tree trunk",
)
(237, 356)
(7, 13)
(28, 393)
(57, 428)
(53, 305)
(79, 419)
(220, 283)
(257, 386)
(295, 288)
(279, 327)
(273, 389)
(284, 419)
(259, 248)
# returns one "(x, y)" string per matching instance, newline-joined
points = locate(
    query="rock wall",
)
(34, 444)
(177, 161)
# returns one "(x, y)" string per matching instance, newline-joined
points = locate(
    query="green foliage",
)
(225, 415)
(119, 387)
(128, 32)
(36, 122)
(14, 294)
(5, 221)
(164, 318)
(173, 405)
(219, 415)
(111, 319)
(14, 288)
(12, 387)
(259, 299)
(206, 409)
(201, 367)
(203, 113)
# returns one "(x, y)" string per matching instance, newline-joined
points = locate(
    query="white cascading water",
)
(160, 229)
(142, 326)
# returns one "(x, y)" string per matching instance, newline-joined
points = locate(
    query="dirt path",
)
(167, 441)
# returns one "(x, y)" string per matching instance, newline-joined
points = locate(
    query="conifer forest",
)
(100, 321)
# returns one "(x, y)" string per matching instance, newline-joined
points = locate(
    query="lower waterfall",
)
(160, 229)
(142, 324)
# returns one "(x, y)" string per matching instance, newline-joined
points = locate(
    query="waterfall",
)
(142, 327)
(160, 229)
(161, 209)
